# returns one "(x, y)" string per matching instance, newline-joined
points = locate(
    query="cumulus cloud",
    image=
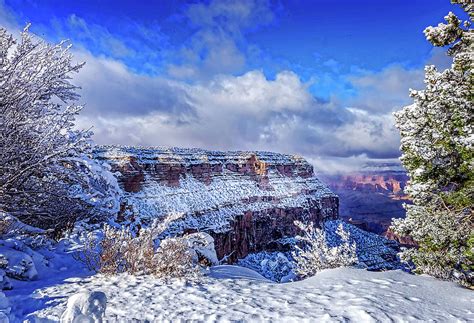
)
(246, 112)
(381, 92)
(110, 89)
(218, 45)
(228, 107)
(369, 134)
(387, 90)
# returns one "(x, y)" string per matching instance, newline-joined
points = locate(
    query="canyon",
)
(247, 201)
(371, 196)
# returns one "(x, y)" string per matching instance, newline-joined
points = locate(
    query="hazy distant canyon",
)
(371, 196)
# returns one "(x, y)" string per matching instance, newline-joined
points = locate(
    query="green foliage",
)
(437, 144)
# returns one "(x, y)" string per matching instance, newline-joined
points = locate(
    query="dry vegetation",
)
(117, 251)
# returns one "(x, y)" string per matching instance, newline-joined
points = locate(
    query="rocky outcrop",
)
(247, 201)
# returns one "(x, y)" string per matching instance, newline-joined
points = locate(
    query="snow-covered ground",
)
(233, 293)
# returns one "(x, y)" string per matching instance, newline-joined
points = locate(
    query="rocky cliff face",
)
(247, 201)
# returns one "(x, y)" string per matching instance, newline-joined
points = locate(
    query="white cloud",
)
(369, 133)
(95, 34)
(253, 93)
(439, 58)
(110, 89)
(247, 112)
(231, 15)
(7, 19)
(218, 45)
(387, 90)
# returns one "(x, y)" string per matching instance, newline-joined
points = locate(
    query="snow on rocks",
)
(234, 293)
(4, 308)
(275, 266)
(19, 245)
(85, 307)
(202, 246)
(234, 196)
(373, 252)
(17, 264)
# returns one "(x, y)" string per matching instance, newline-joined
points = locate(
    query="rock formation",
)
(372, 196)
(247, 201)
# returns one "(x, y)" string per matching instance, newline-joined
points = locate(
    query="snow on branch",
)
(316, 254)
(47, 176)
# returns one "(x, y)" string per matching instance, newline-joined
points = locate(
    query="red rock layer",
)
(263, 219)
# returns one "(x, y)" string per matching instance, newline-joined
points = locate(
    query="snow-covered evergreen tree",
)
(47, 177)
(437, 141)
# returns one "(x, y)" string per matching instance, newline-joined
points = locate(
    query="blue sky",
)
(319, 78)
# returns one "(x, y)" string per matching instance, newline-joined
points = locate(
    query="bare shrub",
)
(316, 254)
(117, 251)
(6, 226)
(89, 254)
(174, 259)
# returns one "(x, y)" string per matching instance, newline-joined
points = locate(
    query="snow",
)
(222, 200)
(232, 293)
(190, 156)
(372, 251)
(4, 308)
(202, 245)
(20, 264)
(212, 206)
(85, 307)
(275, 266)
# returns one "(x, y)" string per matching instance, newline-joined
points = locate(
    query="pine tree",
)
(47, 175)
(437, 141)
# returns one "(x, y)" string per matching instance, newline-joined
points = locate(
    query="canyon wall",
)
(371, 196)
(247, 201)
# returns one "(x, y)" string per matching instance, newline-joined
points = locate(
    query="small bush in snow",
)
(315, 254)
(118, 251)
(174, 259)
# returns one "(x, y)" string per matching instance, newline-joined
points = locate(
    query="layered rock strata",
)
(372, 196)
(247, 201)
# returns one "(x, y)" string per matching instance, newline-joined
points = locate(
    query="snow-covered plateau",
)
(247, 201)
(231, 293)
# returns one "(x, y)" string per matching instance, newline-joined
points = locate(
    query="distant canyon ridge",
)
(370, 197)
